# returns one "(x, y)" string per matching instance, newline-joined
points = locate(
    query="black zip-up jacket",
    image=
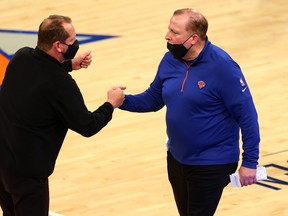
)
(39, 102)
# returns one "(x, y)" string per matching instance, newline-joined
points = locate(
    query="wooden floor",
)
(121, 171)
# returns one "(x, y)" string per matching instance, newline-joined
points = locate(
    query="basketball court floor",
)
(121, 171)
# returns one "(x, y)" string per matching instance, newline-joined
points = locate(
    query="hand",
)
(247, 176)
(116, 96)
(82, 61)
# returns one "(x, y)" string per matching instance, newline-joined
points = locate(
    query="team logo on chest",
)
(201, 84)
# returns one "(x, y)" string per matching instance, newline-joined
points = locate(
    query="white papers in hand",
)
(261, 174)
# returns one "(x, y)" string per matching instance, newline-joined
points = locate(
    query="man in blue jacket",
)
(208, 101)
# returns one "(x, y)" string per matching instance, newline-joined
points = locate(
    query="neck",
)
(58, 56)
(194, 51)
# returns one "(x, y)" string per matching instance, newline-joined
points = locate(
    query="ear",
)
(57, 46)
(195, 39)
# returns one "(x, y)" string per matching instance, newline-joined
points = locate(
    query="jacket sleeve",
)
(238, 100)
(147, 101)
(71, 109)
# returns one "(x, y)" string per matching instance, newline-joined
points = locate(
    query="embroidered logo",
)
(201, 84)
(242, 82)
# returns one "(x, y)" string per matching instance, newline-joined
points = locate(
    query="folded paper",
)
(261, 174)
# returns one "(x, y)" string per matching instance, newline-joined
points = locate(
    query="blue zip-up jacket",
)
(208, 101)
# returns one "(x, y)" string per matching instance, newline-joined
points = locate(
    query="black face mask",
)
(71, 51)
(178, 50)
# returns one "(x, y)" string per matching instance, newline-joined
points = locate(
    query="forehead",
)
(179, 23)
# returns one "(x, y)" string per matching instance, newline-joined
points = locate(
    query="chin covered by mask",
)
(71, 51)
(177, 50)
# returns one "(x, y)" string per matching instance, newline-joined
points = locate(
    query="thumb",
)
(122, 87)
(87, 53)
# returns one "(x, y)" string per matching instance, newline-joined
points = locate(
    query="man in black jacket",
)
(39, 102)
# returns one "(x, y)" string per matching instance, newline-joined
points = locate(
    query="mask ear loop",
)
(188, 38)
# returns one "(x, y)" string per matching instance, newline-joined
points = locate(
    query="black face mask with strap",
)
(71, 51)
(178, 50)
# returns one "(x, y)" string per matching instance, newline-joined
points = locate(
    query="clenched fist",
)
(82, 61)
(116, 96)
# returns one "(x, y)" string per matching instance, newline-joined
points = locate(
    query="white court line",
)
(54, 214)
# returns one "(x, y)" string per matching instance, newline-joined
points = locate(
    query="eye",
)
(173, 32)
